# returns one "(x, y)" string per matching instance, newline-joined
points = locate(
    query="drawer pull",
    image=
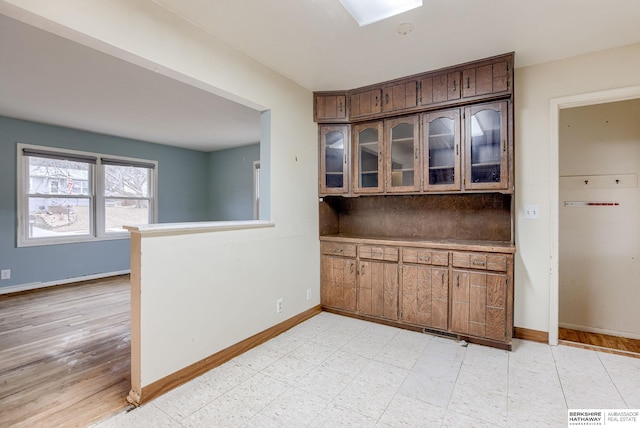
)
(442, 278)
(457, 280)
(424, 259)
(351, 267)
(478, 263)
(361, 269)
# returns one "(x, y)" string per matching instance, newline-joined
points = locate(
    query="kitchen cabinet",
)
(368, 149)
(416, 228)
(387, 156)
(425, 288)
(338, 275)
(334, 171)
(402, 153)
(400, 96)
(441, 138)
(378, 281)
(439, 88)
(330, 107)
(481, 301)
(366, 102)
(486, 79)
(448, 289)
(487, 150)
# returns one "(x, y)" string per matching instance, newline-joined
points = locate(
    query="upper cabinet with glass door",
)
(402, 140)
(441, 137)
(487, 148)
(368, 152)
(334, 159)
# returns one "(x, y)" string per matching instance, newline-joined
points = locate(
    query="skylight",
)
(367, 12)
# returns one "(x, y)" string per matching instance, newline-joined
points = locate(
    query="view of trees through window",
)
(62, 195)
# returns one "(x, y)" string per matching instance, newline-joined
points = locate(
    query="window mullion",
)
(99, 200)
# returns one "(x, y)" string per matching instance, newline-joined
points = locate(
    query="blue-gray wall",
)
(231, 180)
(183, 196)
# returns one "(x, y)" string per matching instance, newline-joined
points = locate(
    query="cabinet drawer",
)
(483, 261)
(378, 253)
(425, 256)
(338, 249)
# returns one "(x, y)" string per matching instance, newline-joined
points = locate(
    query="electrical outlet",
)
(5, 274)
(531, 212)
(308, 294)
(278, 306)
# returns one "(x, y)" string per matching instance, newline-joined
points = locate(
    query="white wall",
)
(537, 88)
(599, 275)
(209, 291)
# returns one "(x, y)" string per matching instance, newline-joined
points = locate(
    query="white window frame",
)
(256, 190)
(95, 195)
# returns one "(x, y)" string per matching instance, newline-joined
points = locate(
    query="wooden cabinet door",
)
(486, 147)
(366, 103)
(368, 153)
(378, 289)
(486, 79)
(441, 148)
(440, 88)
(334, 147)
(402, 154)
(338, 282)
(479, 304)
(330, 107)
(425, 296)
(400, 96)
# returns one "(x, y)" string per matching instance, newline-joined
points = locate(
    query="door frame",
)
(556, 104)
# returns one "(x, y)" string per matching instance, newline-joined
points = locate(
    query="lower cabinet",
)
(425, 296)
(378, 281)
(479, 304)
(378, 289)
(338, 277)
(465, 293)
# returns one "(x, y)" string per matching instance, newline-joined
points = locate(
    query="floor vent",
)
(440, 333)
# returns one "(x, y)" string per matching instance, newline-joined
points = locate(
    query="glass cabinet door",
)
(367, 148)
(403, 159)
(442, 150)
(334, 159)
(486, 147)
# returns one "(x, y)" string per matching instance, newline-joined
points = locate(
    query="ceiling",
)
(315, 43)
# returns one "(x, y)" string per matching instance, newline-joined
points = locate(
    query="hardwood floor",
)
(624, 345)
(65, 354)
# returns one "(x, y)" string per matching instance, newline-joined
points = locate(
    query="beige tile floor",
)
(333, 371)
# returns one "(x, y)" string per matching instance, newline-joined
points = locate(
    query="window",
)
(69, 196)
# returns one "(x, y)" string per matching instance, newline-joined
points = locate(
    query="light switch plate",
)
(531, 212)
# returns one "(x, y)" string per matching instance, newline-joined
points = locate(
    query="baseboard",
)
(533, 335)
(600, 331)
(188, 373)
(36, 285)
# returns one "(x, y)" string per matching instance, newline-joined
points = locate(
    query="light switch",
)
(531, 212)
